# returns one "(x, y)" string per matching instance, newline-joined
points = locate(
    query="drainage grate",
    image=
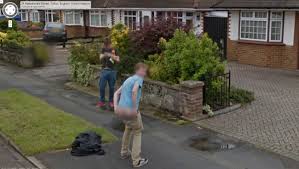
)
(211, 143)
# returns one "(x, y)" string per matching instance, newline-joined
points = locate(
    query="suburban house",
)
(263, 32)
(258, 32)
(106, 13)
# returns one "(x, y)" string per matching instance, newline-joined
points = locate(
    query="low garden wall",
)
(183, 100)
(19, 57)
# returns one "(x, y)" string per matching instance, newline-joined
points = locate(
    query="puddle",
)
(211, 143)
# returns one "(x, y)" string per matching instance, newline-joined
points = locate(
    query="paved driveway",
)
(57, 69)
(272, 120)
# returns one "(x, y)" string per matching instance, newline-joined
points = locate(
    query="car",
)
(54, 31)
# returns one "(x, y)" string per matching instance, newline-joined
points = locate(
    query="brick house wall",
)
(265, 54)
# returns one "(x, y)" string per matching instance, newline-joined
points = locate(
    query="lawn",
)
(35, 126)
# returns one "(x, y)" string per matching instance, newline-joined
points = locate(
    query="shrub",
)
(120, 38)
(87, 53)
(241, 96)
(186, 57)
(80, 60)
(2, 37)
(121, 42)
(16, 39)
(4, 25)
(145, 40)
(40, 53)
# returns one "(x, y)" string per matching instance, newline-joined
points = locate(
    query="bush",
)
(2, 36)
(4, 25)
(16, 39)
(121, 42)
(241, 96)
(186, 57)
(145, 40)
(134, 47)
(80, 60)
(40, 52)
(86, 53)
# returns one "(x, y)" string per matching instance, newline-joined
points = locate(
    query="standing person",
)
(108, 60)
(126, 102)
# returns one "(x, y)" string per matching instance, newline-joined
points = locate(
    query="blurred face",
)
(142, 72)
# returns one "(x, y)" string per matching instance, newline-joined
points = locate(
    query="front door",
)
(216, 27)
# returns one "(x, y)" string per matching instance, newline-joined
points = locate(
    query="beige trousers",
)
(133, 129)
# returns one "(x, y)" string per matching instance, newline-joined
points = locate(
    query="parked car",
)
(55, 32)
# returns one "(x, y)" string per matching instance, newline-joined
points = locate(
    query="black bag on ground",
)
(87, 143)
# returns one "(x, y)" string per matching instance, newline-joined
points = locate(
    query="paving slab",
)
(9, 158)
(270, 122)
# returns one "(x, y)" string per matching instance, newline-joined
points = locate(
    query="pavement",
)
(9, 158)
(272, 120)
(166, 145)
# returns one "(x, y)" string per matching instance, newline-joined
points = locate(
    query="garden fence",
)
(216, 92)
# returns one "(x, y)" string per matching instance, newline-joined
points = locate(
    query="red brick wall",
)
(75, 31)
(266, 54)
(96, 32)
(34, 33)
(81, 32)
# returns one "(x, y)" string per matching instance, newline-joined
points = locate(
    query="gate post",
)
(191, 100)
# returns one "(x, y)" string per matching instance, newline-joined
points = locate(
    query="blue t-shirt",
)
(125, 100)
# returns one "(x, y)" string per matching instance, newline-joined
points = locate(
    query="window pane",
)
(95, 20)
(247, 14)
(77, 18)
(276, 27)
(189, 14)
(103, 20)
(251, 29)
(261, 14)
(276, 15)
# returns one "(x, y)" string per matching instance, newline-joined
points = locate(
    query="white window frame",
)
(131, 16)
(100, 14)
(21, 15)
(281, 27)
(253, 18)
(73, 13)
(51, 13)
(32, 13)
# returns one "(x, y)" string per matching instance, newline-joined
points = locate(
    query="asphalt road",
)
(167, 146)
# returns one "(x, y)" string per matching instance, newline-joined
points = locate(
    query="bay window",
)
(98, 18)
(176, 15)
(254, 26)
(261, 26)
(72, 18)
(34, 16)
(276, 22)
(24, 15)
(130, 18)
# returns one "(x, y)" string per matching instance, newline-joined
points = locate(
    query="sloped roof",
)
(202, 4)
(193, 4)
(258, 4)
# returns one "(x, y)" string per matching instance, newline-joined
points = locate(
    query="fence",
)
(216, 92)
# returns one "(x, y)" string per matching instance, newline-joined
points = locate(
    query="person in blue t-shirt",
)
(128, 97)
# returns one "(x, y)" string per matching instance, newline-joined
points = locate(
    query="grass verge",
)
(35, 126)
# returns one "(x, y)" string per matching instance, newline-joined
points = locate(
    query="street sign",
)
(10, 23)
(10, 10)
(55, 5)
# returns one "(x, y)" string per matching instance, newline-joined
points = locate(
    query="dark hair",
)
(140, 65)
